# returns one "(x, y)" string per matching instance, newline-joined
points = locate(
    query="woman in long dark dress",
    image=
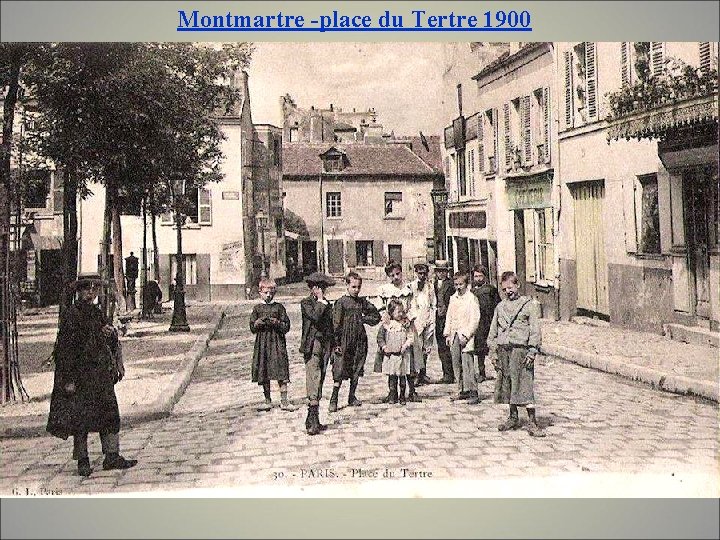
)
(269, 322)
(83, 398)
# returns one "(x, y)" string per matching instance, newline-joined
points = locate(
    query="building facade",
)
(500, 161)
(231, 235)
(638, 168)
(356, 206)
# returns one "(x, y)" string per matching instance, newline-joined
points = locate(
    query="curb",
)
(657, 379)
(34, 425)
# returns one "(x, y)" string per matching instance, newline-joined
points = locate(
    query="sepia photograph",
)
(359, 269)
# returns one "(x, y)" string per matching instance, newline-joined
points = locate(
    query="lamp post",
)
(261, 222)
(179, 317)
(440, 198)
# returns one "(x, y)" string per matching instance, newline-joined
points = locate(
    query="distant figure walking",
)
(152, 298)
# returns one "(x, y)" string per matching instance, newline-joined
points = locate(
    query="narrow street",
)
(600, 428)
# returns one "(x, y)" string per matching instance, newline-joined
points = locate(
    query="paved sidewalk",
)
(653, 359)
(158, 366)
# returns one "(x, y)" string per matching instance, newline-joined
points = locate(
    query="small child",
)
(396, 338)
(350, 315)
(514, 340)
(269, 322)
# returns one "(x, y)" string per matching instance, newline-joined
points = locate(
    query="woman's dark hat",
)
(442, 264)
(316, 278)
(85, 280)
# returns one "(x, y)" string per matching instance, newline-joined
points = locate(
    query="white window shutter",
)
(508, 140)
(626, 63)
(481, 158)
(630, 225)
(546, 123)
(530, 256)
(526, 129)
(657, 58)
(706, 56)
(569, 92)
(591, 80)
(496, 139)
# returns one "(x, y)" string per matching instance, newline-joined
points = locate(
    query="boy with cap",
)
(488, 298)
(422, 314)
(316, 344)
(444, 289)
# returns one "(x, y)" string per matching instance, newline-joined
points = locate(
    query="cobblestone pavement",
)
(606, 437)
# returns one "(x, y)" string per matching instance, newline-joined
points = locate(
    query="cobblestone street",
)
(600, 428)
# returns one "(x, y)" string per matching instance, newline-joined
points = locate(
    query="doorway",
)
(309, 257)
(335, 256)
(592, 281)
(700, 197)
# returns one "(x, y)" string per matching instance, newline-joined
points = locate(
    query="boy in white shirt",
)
(463, 318)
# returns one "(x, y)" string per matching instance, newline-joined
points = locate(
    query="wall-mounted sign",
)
(531, 192)
(468, 220)
(231, 195)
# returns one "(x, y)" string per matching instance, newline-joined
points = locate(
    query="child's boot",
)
(533, 429)
(512, 422)
(392, 396)
(352, 400)
(316, 419)
(308, 419)
(313, 427)
(267, 405)
(334, 399)
(285, 405)
(83, 467)
(402, 399)
(413, 397)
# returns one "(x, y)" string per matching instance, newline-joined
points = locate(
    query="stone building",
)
(232, 234)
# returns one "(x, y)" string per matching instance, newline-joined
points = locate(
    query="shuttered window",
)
(204, 207)
(657, 58)
(526, 129)
(546, 123)
(471, 172)
(569, 91)
(626, 58)
(508, 141)
(591, 80)
(481, 142)
(58, 191)
(708, 55)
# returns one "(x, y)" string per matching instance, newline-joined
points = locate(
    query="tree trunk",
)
(156, 254)
(120, 293)
(9, 374)
(108, 294)
(144, 277)
(70, 237)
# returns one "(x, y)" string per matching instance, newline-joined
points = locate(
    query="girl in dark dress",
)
(269, 322)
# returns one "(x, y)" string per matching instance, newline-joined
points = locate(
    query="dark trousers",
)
(444, 351)
(110, 444)
(316, 363)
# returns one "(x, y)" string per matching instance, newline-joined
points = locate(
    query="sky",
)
(402, 81)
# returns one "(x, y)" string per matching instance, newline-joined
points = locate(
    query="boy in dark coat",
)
(444, 289)
(350, 315)
(488, 298)
(83, 398)
(269, 322)
(316, 344)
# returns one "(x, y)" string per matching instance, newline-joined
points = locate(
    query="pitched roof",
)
(303, 159)
(432, 157)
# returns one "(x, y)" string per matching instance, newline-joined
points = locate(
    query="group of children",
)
(335, 334)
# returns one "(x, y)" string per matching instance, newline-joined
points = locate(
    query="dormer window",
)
(334, 160)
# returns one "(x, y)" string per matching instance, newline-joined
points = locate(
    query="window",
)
(541, 125)
(276, 152)
(198, 208)
(393, 204)
(461, 178)
(364, 252)
(205, 206)
(294, 134)
(581, 85)
(539, 245)
(708, 55)
(333, 164)
(647, 214)
(489, 142)
(333, 204)
(471, 172)
(525, 118)
(190, 268)
(37, 188)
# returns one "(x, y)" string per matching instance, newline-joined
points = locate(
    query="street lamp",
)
(261, 222)
(179, 317)
(440, 199)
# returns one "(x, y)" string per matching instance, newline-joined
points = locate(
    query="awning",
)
(41, 242)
